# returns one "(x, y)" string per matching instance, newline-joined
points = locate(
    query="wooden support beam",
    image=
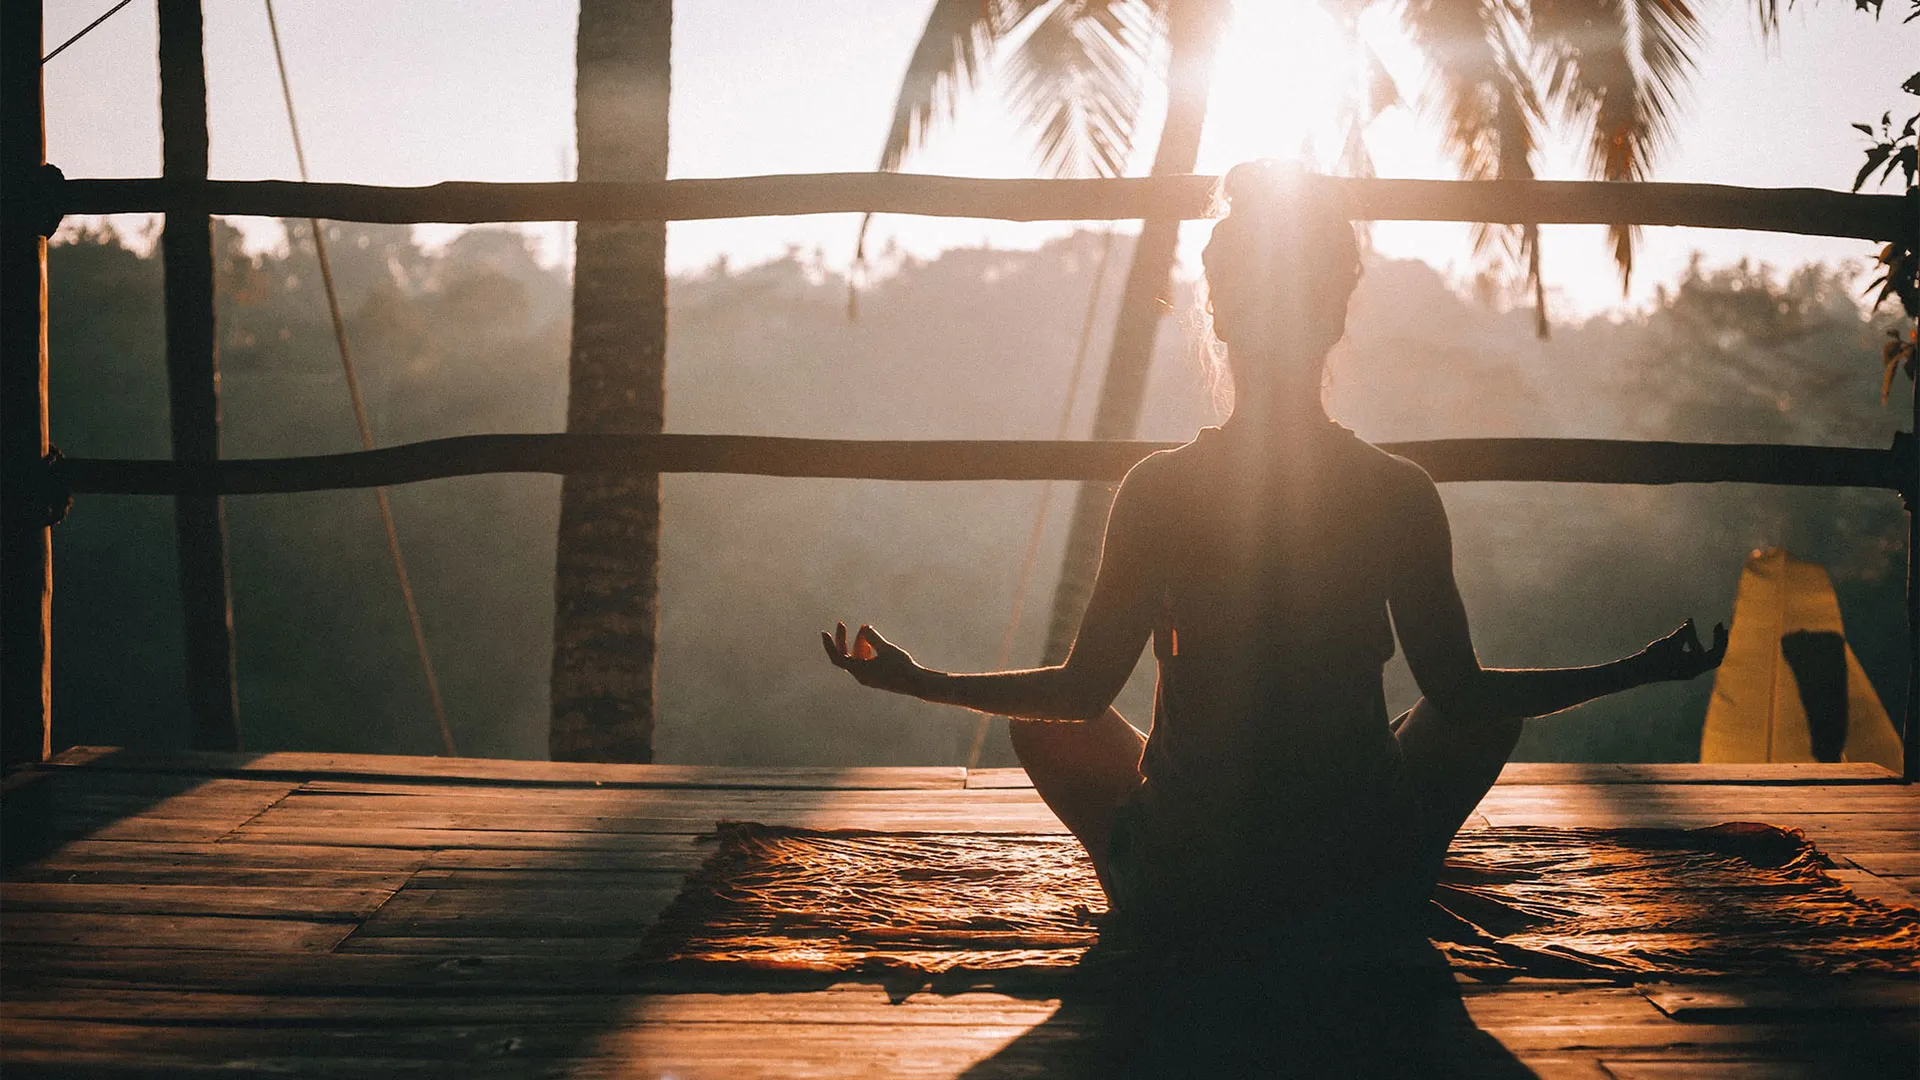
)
(1808, 211)
(1910, 489)
(193, 383)
(26, 547)
(1591, 461)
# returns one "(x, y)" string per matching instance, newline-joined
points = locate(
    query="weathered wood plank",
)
(992, 779)
(575, 948)
(1732, 1000)
(1720, 798)
(308, 766)
(277, 901)
(1887, 890)
(529, 912)
(135, 873)
(1743, 773)
(333, 795)
(1888, 863)
(93, 854)
(1843, 1066)
(647, 1042)
(659, 852)
(212, 932)
(595, 879)
(1585, 773)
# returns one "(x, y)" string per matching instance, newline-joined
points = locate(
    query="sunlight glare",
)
(1285, 73)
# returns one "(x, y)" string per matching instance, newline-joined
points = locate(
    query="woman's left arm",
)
(1112, 631)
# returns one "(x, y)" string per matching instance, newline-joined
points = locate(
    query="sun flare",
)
(1286, 75)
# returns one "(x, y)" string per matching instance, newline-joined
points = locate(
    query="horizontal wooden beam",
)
(1791, 210)
(1591, 461)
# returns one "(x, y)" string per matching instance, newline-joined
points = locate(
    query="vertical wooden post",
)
(1910, 492)
(1910, 731)
(26, 543)
(193, 383)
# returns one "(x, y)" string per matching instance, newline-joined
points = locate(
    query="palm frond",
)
(1478, 87)
(1483, 87)
(1617, 67)
(1076, 80)
(951, 52)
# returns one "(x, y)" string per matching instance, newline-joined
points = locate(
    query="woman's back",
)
(1273, 586)
(1270, 765)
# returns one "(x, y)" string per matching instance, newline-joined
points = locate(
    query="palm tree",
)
(1613, 69)
(606, 587)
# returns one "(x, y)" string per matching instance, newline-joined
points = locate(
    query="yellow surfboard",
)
(1786, 616)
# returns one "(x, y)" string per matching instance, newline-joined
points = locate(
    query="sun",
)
(1285, 76)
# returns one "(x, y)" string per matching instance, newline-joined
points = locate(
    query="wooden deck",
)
(198, 914)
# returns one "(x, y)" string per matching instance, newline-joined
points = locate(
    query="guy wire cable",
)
(1046, 492)
(359, 407)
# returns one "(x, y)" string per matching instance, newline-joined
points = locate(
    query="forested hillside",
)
(977, 343)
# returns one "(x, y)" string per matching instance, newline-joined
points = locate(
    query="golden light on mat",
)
(1757, 712)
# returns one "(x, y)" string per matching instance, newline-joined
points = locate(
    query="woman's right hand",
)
(873, 660)
(1679, 656)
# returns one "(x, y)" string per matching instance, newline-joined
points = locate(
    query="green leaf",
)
(1876, 156)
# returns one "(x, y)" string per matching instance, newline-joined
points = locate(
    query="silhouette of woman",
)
(1264, 559)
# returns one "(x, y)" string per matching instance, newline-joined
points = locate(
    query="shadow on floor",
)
(1234, 1020)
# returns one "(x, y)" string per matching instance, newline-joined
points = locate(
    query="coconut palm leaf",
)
(952, 51)
(1483, 89)
(1078, 79)
(1079, 83)
(1617, 68)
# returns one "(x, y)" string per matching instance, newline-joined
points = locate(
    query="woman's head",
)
(1280, 268)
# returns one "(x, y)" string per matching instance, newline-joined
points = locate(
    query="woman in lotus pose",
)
(1263, 559)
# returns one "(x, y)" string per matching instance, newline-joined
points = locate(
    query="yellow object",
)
(1756, 713)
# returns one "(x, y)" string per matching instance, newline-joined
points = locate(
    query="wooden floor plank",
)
(492, 770)
(532, 911)
(342, 915)
(218, 933)
(1730, 1000)
(130, 872)
(262, 901)
(213, 855)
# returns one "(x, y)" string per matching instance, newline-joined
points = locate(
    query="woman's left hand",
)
(872, 660)
(1680, 656)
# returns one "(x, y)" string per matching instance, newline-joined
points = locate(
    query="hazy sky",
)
(416, 91)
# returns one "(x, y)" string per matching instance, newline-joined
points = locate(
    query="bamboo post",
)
(26, 549)
(193, 383)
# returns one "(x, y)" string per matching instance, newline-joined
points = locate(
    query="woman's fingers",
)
(834, 654)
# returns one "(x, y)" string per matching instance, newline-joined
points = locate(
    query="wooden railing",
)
(36, 196)
(1807, 211)
(1579, 461)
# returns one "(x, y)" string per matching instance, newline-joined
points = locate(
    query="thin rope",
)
(1046, 491)
(85, 30)
(360, 408)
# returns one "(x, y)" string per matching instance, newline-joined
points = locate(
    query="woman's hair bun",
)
(1258, 187)
(1274, 207)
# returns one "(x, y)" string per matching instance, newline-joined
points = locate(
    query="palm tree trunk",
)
(606, 585)
(1192, 32)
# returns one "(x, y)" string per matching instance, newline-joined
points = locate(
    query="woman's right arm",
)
(1432, 625)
